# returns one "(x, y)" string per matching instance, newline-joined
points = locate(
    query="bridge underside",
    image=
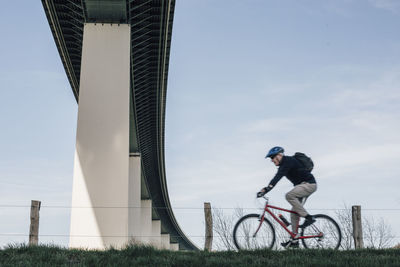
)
(150, 24)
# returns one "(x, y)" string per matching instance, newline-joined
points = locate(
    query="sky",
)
(320, 77)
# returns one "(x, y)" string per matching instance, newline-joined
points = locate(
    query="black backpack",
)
(306, 161)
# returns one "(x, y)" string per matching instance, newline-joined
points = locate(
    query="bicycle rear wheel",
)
(246, 236)
(326, 232)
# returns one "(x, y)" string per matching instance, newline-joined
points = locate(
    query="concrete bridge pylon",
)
(107, 209)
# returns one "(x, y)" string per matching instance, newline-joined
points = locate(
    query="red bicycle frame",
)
(266, 209)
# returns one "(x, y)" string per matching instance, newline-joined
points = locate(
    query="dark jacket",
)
(294, 171)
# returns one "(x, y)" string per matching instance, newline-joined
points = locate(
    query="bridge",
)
(116, 54)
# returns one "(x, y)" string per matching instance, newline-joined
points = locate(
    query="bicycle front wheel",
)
(323, 234)
(250, 233)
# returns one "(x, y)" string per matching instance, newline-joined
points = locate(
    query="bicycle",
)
(254, 231)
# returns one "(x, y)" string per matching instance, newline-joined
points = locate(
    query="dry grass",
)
(22, 255)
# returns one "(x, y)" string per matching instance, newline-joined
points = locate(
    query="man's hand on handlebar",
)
(261, 194)
(264, 190)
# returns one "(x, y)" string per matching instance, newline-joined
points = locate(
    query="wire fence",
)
(9, 236)
(180, 208)
(126, 236)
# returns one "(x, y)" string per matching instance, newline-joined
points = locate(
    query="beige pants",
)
(297, 197)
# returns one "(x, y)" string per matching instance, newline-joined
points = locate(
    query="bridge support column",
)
(156, 233)
(174, 246)
(165, 241)
(146, 221)
(134, 224)
(102, 187)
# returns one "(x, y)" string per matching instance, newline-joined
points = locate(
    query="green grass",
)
(22, 255)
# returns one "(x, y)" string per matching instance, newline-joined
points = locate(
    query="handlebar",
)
(261, 195)
(264, 197)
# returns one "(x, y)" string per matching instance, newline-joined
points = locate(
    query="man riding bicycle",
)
(304, 185)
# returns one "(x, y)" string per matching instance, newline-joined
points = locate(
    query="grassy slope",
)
(142, 256)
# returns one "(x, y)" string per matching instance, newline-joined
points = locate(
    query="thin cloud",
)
(344, 160)
(270, 125)
(390, 5)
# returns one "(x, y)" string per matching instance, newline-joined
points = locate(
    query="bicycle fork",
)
(261, 220)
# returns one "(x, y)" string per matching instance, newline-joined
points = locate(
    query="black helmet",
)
(274, 151)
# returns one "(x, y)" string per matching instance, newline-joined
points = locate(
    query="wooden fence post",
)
(34, 228)
(209, 227)
(357, 227)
